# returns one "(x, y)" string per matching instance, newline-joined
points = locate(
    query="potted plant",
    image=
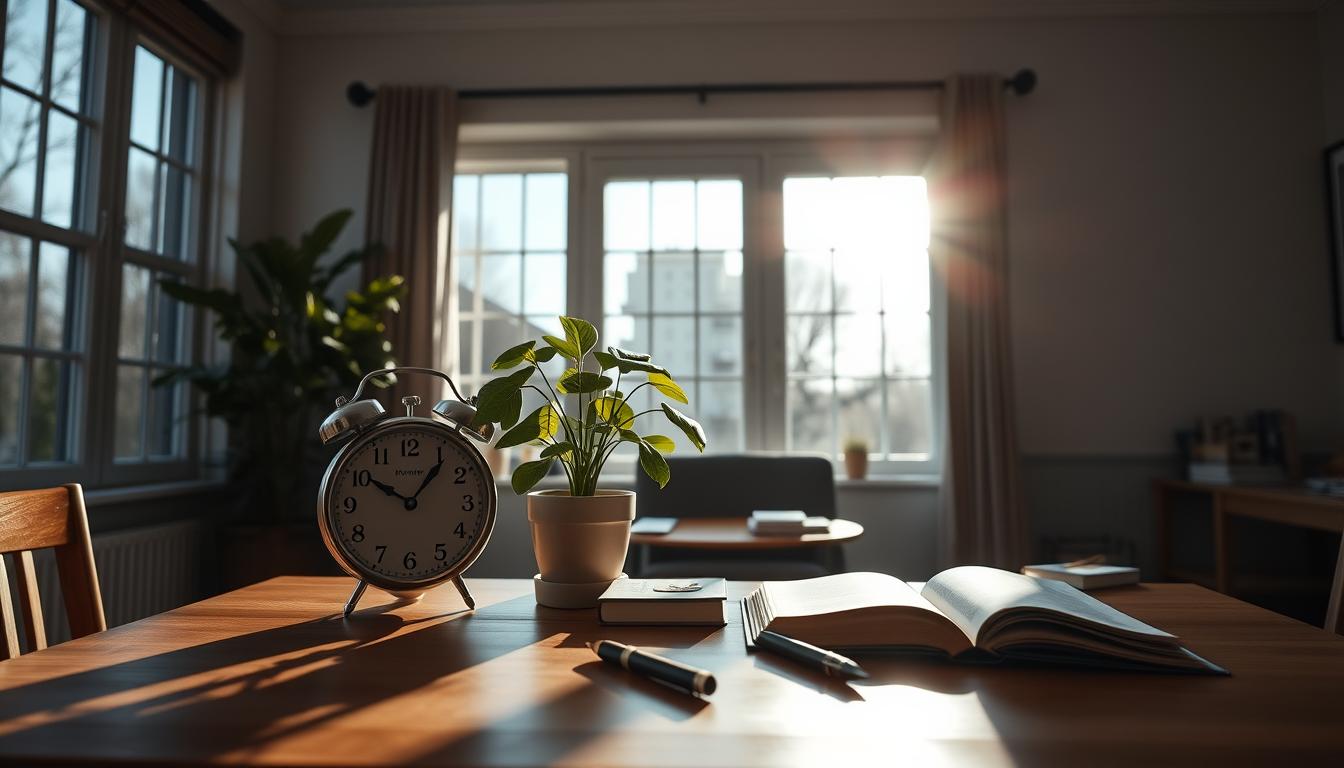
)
(856, 458)
(292, 348)
(580, 534)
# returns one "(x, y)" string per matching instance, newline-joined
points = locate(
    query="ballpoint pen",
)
(833, 664)
(671, 673)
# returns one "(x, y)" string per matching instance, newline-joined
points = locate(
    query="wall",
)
(1164, 207)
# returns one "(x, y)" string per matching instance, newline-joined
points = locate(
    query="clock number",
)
(380, 455)
(467, 503)
(461, 533)
(363, 477)
(382, 550)
(461, 475)
(410, 447)
(439, 552)
(350, 503)
(358, 534)
(409, 561)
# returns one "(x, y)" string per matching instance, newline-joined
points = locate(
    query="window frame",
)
(762, 166)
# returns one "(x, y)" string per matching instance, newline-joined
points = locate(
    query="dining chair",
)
(55, 518)
(735, 485)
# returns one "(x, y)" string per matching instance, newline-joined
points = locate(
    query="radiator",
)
(141, 572)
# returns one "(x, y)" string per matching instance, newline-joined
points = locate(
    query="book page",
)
(841, 592)
(972, 594)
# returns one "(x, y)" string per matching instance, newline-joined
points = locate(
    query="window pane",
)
(15, 261)
(544, 284)
(134, 311)
(720, 346)
(808, 344)
(130, 407)
(60, 179)
(858, 345)
(175, 213)
(170, 328)
(497, 335)
(673, 215)
(146, 98)
(179, 123)
(49, 409)
(808, 219)
(674, 345)
(67, 64)
(466, 211)
(807, 277)
(674, 282)
(467, 289)
(860, 410)
(466, 344)
(502, 212)
(719, 410)
(626, 283)
(56, 284)
(719, 215)
(628, 333)
(910, 417)
(858, 287)
(166, 422)
(501, 283)
(625, 215)
(721, 282)
(11, 379)
(907, 345)
(25, 42)
(19, 123)
(905, 282)
(547, 211)
(140, 183)
(809, 404)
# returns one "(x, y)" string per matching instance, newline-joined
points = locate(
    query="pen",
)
(833, 664)
(657, 668)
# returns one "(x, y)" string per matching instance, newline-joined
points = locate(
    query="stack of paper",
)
(780, 522)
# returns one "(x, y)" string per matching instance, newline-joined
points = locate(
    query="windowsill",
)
(551, 482)
(150, 491)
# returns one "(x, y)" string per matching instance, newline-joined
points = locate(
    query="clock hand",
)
(433, 473)
(387, 489)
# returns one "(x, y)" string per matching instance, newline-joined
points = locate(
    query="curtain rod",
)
(360, 94)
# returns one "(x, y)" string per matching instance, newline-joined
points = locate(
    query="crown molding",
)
(362, 16)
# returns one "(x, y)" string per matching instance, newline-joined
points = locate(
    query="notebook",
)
(1085, 576)
(663, 601)
(970, 613)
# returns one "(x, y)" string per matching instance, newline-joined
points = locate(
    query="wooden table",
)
(1286, 506)
(271, 675)
(732, 534)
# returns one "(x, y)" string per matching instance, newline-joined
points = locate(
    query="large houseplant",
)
(292, 347)
(580, 534)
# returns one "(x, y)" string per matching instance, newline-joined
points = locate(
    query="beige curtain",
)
(410, 186)
(982, 520)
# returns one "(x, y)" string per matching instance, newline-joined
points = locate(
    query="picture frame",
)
(1334, 200)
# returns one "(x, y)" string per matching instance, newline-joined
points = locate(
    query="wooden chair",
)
(52, 517)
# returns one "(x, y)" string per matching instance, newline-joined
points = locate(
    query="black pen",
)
(657, 668)
(833, 664)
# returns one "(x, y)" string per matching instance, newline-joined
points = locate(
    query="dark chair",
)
(734, 486)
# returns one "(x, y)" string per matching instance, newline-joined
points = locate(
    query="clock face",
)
(409, 503)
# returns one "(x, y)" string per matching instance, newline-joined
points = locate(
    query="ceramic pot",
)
(856, 464)
(580, 543)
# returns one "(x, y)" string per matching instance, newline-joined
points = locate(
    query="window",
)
(101, 196)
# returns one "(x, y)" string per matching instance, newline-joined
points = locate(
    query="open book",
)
(965, 612)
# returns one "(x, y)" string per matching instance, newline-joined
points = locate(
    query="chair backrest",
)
(733, 485)
(51, 517)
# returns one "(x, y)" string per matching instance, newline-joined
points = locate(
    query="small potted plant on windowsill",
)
(580, 534)
(856, 458)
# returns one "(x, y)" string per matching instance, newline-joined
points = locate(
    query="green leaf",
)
(542, 355)
(514, 356)
(661, 443)
(627, 366)
(612, 411)
(560, 382)
(607, 361)
(529, 474)
(694, 432)
(316, 243)
(495, 400)
(583, 382)
(515, 407)
(627, 355)
(220, 301)
(580, 333)
(654, 465)
(664, 383)
(557, 450)
(563, 347)
(540, 424)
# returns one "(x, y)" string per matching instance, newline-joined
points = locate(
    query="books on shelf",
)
(1089, 576)
(663, 601)
(968, 613)
(1221, 473)
(779, 522)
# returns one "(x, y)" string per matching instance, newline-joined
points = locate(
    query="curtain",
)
(410, 187)
(982, 521)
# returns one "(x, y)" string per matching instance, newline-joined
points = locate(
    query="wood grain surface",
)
(272, 675)
(732, 533)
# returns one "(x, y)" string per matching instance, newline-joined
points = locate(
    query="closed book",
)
(663, 601)
(1085, 576)
(814, 524)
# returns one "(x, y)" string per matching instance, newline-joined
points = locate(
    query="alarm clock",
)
(408, 502)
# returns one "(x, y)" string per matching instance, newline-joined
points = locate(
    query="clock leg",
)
(466, 593)
(354, 597)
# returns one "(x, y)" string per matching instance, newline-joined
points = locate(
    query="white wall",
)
(1164, 199)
